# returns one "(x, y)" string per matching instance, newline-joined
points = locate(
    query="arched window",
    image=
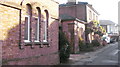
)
(46, 26)
(38, 26)
(27, 37)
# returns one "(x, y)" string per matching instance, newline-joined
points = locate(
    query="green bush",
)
(99, 33)
(81, 45)
(95, 43)
(64, 47)
(85, 46)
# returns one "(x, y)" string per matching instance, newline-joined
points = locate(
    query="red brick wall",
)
(70, 10)
(68, 31)
(10, 36)
(78, 11)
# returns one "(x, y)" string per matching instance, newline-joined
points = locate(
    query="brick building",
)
(80, 10)
(74, 31)
(29, 32)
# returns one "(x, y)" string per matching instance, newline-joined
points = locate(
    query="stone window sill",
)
(36, 43)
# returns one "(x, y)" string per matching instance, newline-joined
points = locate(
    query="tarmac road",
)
(108, 55)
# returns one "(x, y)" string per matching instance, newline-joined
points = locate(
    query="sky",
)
(108, 9)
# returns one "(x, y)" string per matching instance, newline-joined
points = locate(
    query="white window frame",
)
(90, 15)
(38, 30)
(28, 30)
(45, 31)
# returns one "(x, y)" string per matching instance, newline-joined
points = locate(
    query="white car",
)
(106, 38)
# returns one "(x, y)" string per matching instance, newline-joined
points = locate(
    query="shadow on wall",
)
(11, 44)
(79, 36)
(11, 41)
(80, 33)
(12, 38)
(53, 31)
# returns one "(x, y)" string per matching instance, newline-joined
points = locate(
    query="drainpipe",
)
(20, 46)
(74, 35)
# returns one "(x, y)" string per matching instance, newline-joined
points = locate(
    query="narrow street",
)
(107, 55)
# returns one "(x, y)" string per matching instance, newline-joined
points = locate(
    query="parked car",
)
(113, 39)
(106, 38)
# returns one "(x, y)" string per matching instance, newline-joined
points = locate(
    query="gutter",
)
(75, 19)
(80, 21)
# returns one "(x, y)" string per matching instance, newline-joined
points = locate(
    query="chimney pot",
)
(71, 2)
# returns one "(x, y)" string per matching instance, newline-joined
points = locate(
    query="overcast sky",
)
(108, 9)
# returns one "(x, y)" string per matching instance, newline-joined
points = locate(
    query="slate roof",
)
(106, 22)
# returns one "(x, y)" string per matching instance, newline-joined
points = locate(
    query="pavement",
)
(74, 58)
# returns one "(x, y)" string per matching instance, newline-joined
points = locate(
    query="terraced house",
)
(29, 32)
(75, 17)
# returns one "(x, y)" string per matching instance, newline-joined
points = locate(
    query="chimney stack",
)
(71, 2)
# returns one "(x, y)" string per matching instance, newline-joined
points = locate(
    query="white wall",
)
(92, 12)
(112, 29)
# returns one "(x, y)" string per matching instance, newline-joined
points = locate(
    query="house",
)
(109, 26)
(74, 31)
(77, 13)
(80, 10)
(29, 32)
